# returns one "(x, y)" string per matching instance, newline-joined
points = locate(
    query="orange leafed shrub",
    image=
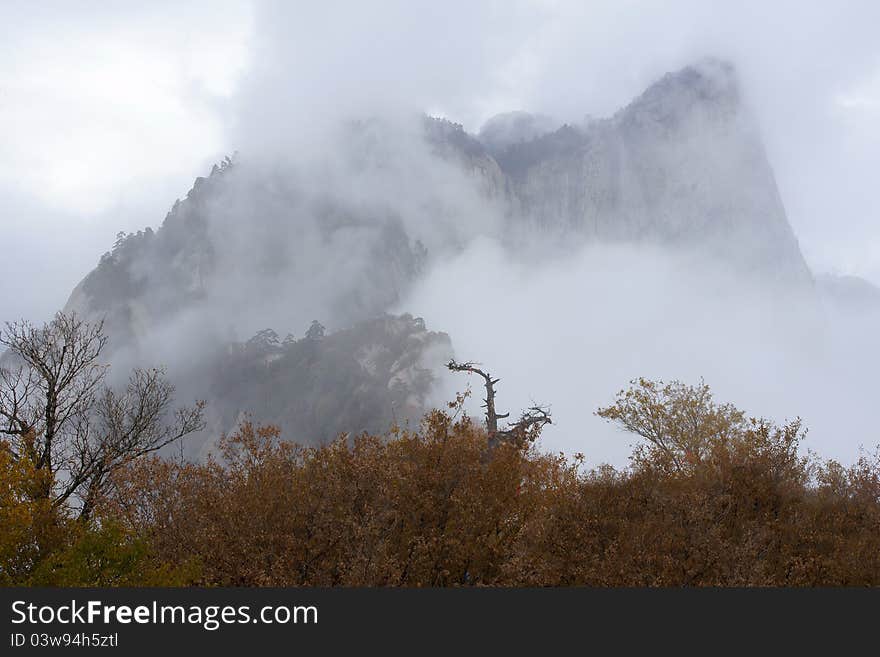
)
(717, 500)
(419, 509)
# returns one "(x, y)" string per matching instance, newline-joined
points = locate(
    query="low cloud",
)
(572, 330)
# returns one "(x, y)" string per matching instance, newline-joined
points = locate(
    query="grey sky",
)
(107, 112)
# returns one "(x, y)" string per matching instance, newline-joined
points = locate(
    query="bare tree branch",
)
(67, 422)
(523, 431)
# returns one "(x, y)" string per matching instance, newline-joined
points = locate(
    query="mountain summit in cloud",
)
(341, 233)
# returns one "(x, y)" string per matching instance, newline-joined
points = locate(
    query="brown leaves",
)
(419, 509)
(26, 518)
(738, 506)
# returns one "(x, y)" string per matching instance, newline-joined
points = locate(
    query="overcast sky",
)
(109, 110)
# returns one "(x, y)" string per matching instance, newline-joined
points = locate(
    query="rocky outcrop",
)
(450, 142)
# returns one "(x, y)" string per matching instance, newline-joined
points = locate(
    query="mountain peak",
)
(711, 84)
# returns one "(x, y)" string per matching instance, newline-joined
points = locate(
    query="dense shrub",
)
(723, 501)
(710, 498)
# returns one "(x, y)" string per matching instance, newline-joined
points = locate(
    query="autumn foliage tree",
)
(63, 433)
(26, 517)
(682, 425)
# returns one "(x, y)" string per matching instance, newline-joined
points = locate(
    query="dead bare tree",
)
(57, 412)
(525, 430)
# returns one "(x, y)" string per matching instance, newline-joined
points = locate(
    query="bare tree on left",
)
(57, 412)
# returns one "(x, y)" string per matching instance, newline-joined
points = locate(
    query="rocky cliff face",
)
(340, 235)
(682, 165)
